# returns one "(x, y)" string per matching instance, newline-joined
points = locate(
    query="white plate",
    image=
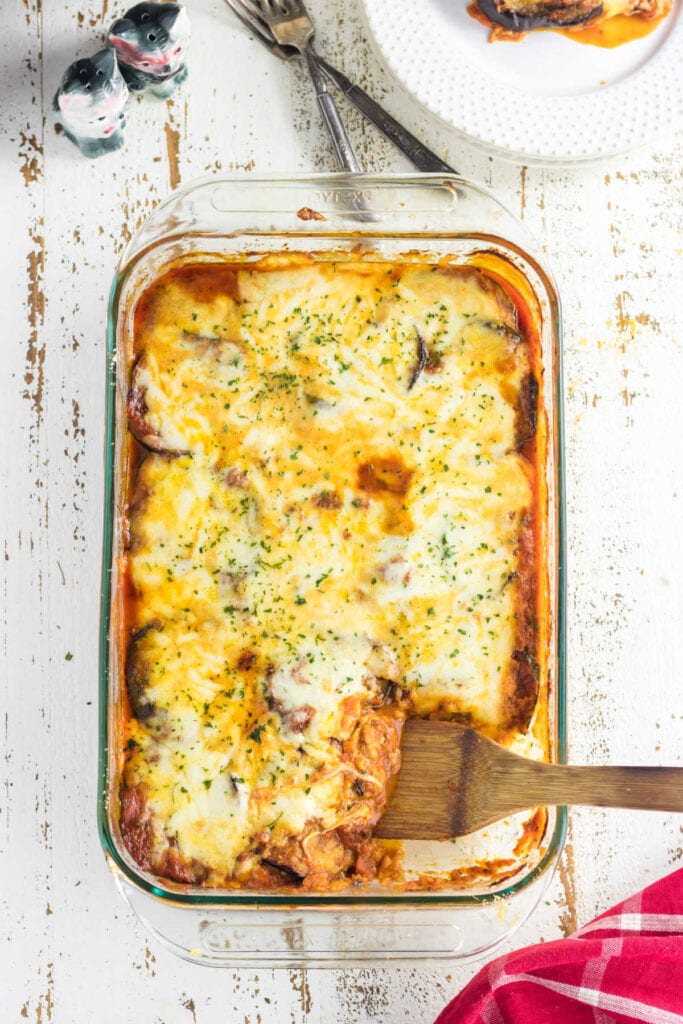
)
(544, 99)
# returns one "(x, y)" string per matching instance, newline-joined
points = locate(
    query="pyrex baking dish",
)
(391, 216)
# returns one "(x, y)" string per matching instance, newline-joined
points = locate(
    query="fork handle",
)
(419, 154)
(328, 108)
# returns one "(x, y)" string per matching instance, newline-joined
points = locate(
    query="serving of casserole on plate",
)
(544, 98)
(334, 512)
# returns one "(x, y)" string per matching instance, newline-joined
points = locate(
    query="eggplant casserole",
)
(335, 521)
(514, 17)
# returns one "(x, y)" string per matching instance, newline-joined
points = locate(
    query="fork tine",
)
(249, 18)
(253, 23)
(259, 8)
(280, 8)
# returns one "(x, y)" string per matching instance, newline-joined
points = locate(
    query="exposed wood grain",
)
(612, 234)
(567, 873)
(172, 146)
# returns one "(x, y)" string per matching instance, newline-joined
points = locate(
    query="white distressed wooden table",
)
(613, 233)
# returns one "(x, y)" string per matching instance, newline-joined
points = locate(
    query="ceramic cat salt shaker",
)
(151, 43)
(91, 101)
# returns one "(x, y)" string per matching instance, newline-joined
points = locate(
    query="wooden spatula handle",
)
(454, 781)
(655, 789)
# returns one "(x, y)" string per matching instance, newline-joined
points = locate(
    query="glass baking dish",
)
(427, 218)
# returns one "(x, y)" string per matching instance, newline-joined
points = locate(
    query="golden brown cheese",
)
(335, 526)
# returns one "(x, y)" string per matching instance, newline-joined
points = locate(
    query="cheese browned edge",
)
(337, 520)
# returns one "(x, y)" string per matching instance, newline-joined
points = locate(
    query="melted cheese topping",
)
(340, 508)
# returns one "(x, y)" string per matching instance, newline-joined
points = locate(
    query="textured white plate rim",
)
(519, 123)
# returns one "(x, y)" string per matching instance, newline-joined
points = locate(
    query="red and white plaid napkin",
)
(625, 966)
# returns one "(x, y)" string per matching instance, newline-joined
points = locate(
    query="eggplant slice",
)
(526, 420)
(139, 661)
(136, 406)
(523, 695)
(420, 362)
(137, 409)
(525, 15)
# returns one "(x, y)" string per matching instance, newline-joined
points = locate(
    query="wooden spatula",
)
(453, 781)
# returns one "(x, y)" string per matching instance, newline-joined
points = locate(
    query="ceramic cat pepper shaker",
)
(91, 101)
(151, 43)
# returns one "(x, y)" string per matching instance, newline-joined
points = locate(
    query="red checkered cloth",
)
(625, 966)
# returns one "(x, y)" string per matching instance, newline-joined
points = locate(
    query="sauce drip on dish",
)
(613, 32)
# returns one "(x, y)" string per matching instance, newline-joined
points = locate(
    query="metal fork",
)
(291, 26)
(420, 155)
